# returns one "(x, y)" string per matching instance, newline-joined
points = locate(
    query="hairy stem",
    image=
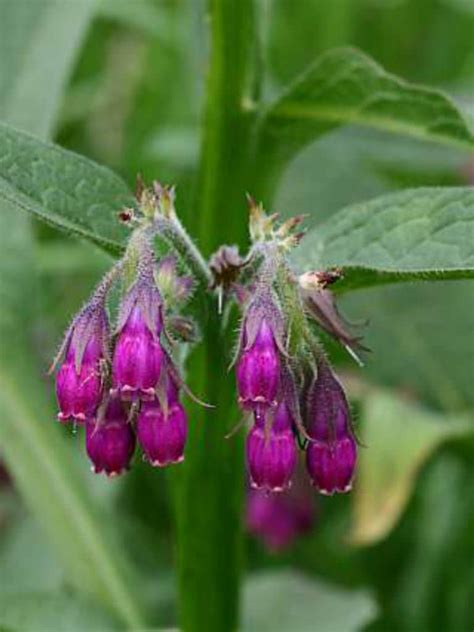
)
(175, 234)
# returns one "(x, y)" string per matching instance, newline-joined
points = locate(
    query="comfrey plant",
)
(124, 385)
(284, 381)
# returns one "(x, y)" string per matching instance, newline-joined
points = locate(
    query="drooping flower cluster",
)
(125, 387)
(283, 377)
(266, 387)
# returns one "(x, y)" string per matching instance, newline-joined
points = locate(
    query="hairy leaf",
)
(61, 188)
(344, 86)
(425, 233)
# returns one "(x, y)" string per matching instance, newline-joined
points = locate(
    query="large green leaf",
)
(425, 233)
(285, 600)
(344, 86)
(421, 336)
(38, 43)
(62, 188)
(61, 612)
(399, 437)
(36, 455)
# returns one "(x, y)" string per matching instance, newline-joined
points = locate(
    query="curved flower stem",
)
(105, 283)
(175, 234)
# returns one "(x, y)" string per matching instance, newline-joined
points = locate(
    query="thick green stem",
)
(210, 491)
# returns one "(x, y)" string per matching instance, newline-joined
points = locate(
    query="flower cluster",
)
(125, 387)
(283, 377)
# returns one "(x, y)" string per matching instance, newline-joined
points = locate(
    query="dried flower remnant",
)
(320, 305)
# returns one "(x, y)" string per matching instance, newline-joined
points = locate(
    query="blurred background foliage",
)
(398, 553)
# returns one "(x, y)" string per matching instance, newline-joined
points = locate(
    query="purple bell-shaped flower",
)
(79, 384)
(138, 355)
(332, 452)
(110, 440)
(162, 428)
(271, 450)
(258, 369)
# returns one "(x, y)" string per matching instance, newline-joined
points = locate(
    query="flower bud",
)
(331, 455)
(138, 355)
(271, 450)
(79, 380)
(258, 369)
(162, 430)
(110, 440)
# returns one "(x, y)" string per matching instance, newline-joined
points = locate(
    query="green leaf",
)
(27, 560)
(422, 340)
(344, 86)
(425, 233)
(61, 612)
(36, 455)
(400, 437)
(286, 600)
(39, 178)
(62, 188)
(38, 43)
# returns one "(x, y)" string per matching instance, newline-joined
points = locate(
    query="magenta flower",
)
(138, 356)
(332, 453)
(79, 383)
(162, 429)
(110, 440)
(271, 450)
(279, 519)
(258, 368)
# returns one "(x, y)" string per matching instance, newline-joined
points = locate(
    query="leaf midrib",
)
(358, 116)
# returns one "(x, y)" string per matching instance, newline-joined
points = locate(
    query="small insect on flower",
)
(332, 452)
(79, 381)
(110, 440)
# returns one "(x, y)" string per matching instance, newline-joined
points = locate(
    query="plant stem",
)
(210, 493)
(174, 232)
